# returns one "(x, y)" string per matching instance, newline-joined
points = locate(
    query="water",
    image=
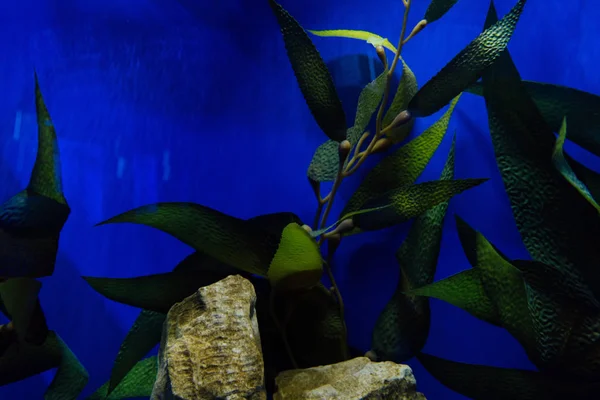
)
(156, 100)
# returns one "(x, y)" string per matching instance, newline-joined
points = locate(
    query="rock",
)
(355, 379)
(210, 347)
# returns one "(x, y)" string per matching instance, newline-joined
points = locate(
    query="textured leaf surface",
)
(137, 383)
(464, 290)
(371, 38)
(482, 382)
(402, 327)
(403, 166)
(555, 102)
(312, 75)
(411, 201)
(467, 66)
(71, 376)
(554, 220)
(437, 9)
(230, 240)
(407, 88)
(141, 338)
(561, 163)
(325, 163)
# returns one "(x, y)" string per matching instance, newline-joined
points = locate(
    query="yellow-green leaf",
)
(371, 38)
(407, 88)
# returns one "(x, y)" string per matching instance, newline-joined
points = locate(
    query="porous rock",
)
(355, 379)
(210, 347)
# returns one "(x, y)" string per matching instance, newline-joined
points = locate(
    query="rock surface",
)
(210, 347)
(356, 379)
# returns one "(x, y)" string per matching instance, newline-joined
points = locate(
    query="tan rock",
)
(356, 379)
(210, 347)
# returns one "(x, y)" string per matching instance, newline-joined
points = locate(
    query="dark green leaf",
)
(410, 201)
(141, 338)
(403, 326)
(467, 66)
(482, 382)
(71, 377)
(437, 9)
(463, 290)
(137, 383)
(403, 166)
(555, 222)
(555, 102)
(20, 297)
(312, 75)
(228, 239)
(158, 292)
(407, 88)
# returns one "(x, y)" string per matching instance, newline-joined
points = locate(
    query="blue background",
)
(155, 101)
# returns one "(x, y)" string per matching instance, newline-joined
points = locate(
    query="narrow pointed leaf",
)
(20, 297)
(503, 284)
(46, 178)
(411, 201)
(437, 9)
(403, 166)
(71, 376)
(143, 336)
(158, 292)
(468, 66)
(137, 383)
(561, 163)
(325, 163)
(368, 37)
(465, 291)
(402, 327)
(554, 220)
(556, 102)
(482, 382)
(228, 239)
(407, 88)
(312, 75)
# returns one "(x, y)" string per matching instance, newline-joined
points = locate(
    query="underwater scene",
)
(294, 200)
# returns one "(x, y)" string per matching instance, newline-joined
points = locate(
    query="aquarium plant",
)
(548, 303)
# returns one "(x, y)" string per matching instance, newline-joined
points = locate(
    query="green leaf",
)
(158, 292)
(555, 222)
(482, 382)
(402, 327)
(312, 75)
(23, 360)
(561, 163)
(411, 201)
(403, 166)
(71, 377)
(467, 66)
(437, 9)
(228, 239)
(503, 284)
(555, 102)
(325, 163)
(407, 88)
(141, 338)
(371, 38)
(465, 291)
(139, 382)
(31, 221)
(20, 296)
